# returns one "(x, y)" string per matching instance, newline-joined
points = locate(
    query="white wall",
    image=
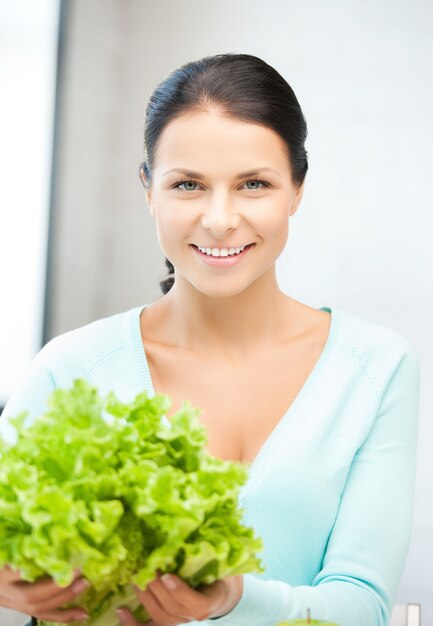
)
(28, 56)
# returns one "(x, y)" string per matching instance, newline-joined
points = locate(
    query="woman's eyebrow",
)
(254, 172)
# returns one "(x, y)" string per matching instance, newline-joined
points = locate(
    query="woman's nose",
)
(219, 215)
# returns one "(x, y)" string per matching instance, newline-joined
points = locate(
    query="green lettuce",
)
(115, 491)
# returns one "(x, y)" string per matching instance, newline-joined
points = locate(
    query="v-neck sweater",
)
(331, 490)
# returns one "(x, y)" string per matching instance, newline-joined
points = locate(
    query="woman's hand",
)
(170, 601)
(41, 599)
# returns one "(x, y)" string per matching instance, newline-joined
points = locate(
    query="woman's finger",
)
(70, 594)
(45, 590)
(161, 614)
(152, 606)
(127, 619)
(64, 617)
(180, 599)
(167, 598)
(37, 596)
(9, 575)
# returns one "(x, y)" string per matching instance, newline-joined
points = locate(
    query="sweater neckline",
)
(295, 408)
(143, 372)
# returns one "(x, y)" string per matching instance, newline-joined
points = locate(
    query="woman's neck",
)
(235, 326)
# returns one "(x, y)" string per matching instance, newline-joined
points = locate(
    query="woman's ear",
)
(148, 190)
(297, 199)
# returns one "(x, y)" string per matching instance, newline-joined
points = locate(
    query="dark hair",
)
(244, 87)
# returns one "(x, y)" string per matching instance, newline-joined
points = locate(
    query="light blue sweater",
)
(331, 490)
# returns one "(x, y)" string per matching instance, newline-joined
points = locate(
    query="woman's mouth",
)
(222, 261)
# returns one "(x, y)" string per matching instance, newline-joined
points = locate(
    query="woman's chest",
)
(240, 405)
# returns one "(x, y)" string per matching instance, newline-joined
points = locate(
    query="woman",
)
(322, 404)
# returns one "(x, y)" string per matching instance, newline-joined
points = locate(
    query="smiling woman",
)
(235, 88)
(321, 405)
(222, 208)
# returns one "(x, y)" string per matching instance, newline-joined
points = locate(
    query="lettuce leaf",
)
(111, 489)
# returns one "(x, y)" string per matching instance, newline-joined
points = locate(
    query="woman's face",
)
(225, 198)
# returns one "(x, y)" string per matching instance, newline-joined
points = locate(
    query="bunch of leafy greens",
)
(115, 491)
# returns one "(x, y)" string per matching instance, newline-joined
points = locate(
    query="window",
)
(28, 63)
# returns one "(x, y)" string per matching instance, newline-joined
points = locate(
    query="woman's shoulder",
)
(379, 348)
(76, 352)
(101, 351)
(99, 336)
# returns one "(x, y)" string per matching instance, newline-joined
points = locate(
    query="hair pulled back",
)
(244, 87)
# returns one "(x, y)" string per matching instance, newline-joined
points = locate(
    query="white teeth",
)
(216, 252)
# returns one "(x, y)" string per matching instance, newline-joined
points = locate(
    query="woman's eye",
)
(190, 185)
(260, 182)
(179, 184)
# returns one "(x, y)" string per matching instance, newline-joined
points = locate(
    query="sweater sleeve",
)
(31, 394)
(368, 544)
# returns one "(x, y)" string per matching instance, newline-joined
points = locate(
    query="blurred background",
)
(77, 242)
